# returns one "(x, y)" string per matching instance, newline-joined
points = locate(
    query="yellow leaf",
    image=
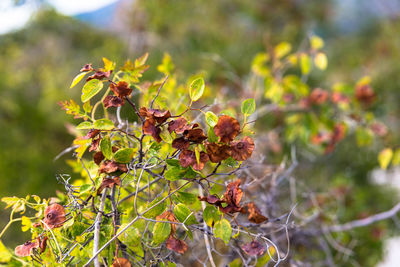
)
(83, 145)
(282, 49)
(321, 61)
(396, 157)
(316, 42)
(384, 157)
(5, 255)
(305, 63)
(108, 64)
(364, 81)
(26, 223)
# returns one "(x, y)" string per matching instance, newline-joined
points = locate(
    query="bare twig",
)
(97, 224)
(364, 222)
(158, 91)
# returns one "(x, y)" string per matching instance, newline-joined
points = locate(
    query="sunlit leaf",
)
(86, 125)
(384, 157)
(183, 214)
(305, 63)
(77, 79)
(103, 124)
(90, 89)
(124, 155)
(282, 49)
(196, 89)
(105, 147)
(316, 42)
(223, 230)
(211, 118)
(321, 61)
(161, 231)
(248, 106)
(211, 215)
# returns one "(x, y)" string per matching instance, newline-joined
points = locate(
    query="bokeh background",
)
(44, 43)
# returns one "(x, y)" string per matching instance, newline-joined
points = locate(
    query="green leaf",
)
(211, 215)
(124, 155)
(174, 173)
(84, 188)
(187, 198)
(90, 89)
(211, 118)
(321, 61)
(223, 230)
(183, 214)
(173, 162)
(197, 89)
(197, 154)
(248, 106)
(282, 49)
(105, 147)
(165, 135)
(384, 157)
(130, 236)
(5, 255)
(157, 210)
(305, 64)
(161, 231)
(86, 125)
(212, 137)
(103, 124)
(77, 79)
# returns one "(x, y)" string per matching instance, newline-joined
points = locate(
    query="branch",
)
(158, 92)
(97, 224)
(364, 222)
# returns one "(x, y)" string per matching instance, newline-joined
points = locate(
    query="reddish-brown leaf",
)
(54, 216)
(337, 98)
(149, 128)
(43, 244)
(176, 245)
(179, 125)
(86, 68)
(100, 75)
(255, 215)
(218, 152)
(92, 133)
(195, 135)
(233, 194)
(95, 144)
(98, 157)
(121, 262)
(253, 248)
(227, 128)
(242, 149)
(318, 96)
(188, 158)
(365, 94)
(180, 143)
(121, 89)
(155, 114)
(26, 249)
(112, 166)
(108, 182)
(211, 199)
(113, 101)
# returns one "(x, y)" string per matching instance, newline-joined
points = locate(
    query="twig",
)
(158, 92)
(97, 224)
(364, 222)
(207, 243)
